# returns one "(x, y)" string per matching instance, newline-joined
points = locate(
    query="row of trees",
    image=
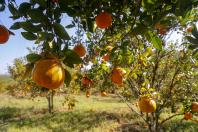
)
(135, 41)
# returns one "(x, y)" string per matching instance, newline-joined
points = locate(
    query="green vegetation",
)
(5, 80)
(127, 44)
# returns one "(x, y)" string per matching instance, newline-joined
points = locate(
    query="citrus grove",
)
(124, 44)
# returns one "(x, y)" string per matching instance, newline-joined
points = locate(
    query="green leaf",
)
(28, 26)
(157, 43)
(45, 36)
(195, 31)
(67, 78)
(71, 57)
(12, 9)
(192, 40)
(90, 25)
(70, 65)
(2, 7)
(69, 10)
(42, 3)
(37, 15)
(32, 58)
(24, 7)
(155, 40)
(15, 26)
(60, 31)
(140, 29)
(193, 46)
(70, 26)
(29, 35)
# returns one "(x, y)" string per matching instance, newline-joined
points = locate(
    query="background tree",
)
(137, 34)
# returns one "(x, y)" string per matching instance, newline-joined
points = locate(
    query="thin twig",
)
(170, 118)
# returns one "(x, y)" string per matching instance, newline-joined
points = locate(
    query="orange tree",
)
(23, 86)
(132, 27)
(168, 75)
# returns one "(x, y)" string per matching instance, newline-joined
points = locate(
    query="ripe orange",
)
(48, 73)
(159, 26)
(187, 115)
(4, 34)
(80, 50)
(105, 57)
(87, 94)
(162, 28)
(162, 31)
(103, 20)
(147, 104)
(86, 81)
(189, 30)
(117, 75)
(103, 93)
(194, 106)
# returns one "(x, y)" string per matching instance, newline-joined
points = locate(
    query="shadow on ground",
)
(71, 121)
(58, 121)
(7, 113)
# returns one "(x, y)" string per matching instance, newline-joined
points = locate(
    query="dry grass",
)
(98, 114)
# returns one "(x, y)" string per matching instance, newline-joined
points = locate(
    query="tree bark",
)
(49, 104)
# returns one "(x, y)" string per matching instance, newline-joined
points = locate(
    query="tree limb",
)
(170, 118)
(132, 109)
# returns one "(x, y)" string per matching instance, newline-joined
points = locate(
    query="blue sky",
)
(16, 46)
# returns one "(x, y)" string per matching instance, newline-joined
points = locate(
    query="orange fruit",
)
(187, 115)
(80, 50)
(48, 73)
(4, 34)
(105, 57)
(86, 81)
(117, 75)
(103, 20)
(194, 106)
(103, 94)
(147, 104)
(162, 31)
(87, 94)
(162, 28)
(159, 26)
(189, 30)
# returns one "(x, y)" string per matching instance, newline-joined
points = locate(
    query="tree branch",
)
(170, 118)
(132, 109)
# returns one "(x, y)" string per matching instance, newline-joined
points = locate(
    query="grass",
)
(98, 114)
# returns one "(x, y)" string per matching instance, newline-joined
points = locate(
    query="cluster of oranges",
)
(194, 108)
(102, 93)
(48, 72)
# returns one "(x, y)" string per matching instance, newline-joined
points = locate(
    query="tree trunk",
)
(50, 102)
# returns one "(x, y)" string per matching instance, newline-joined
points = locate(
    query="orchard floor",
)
(94, 114)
